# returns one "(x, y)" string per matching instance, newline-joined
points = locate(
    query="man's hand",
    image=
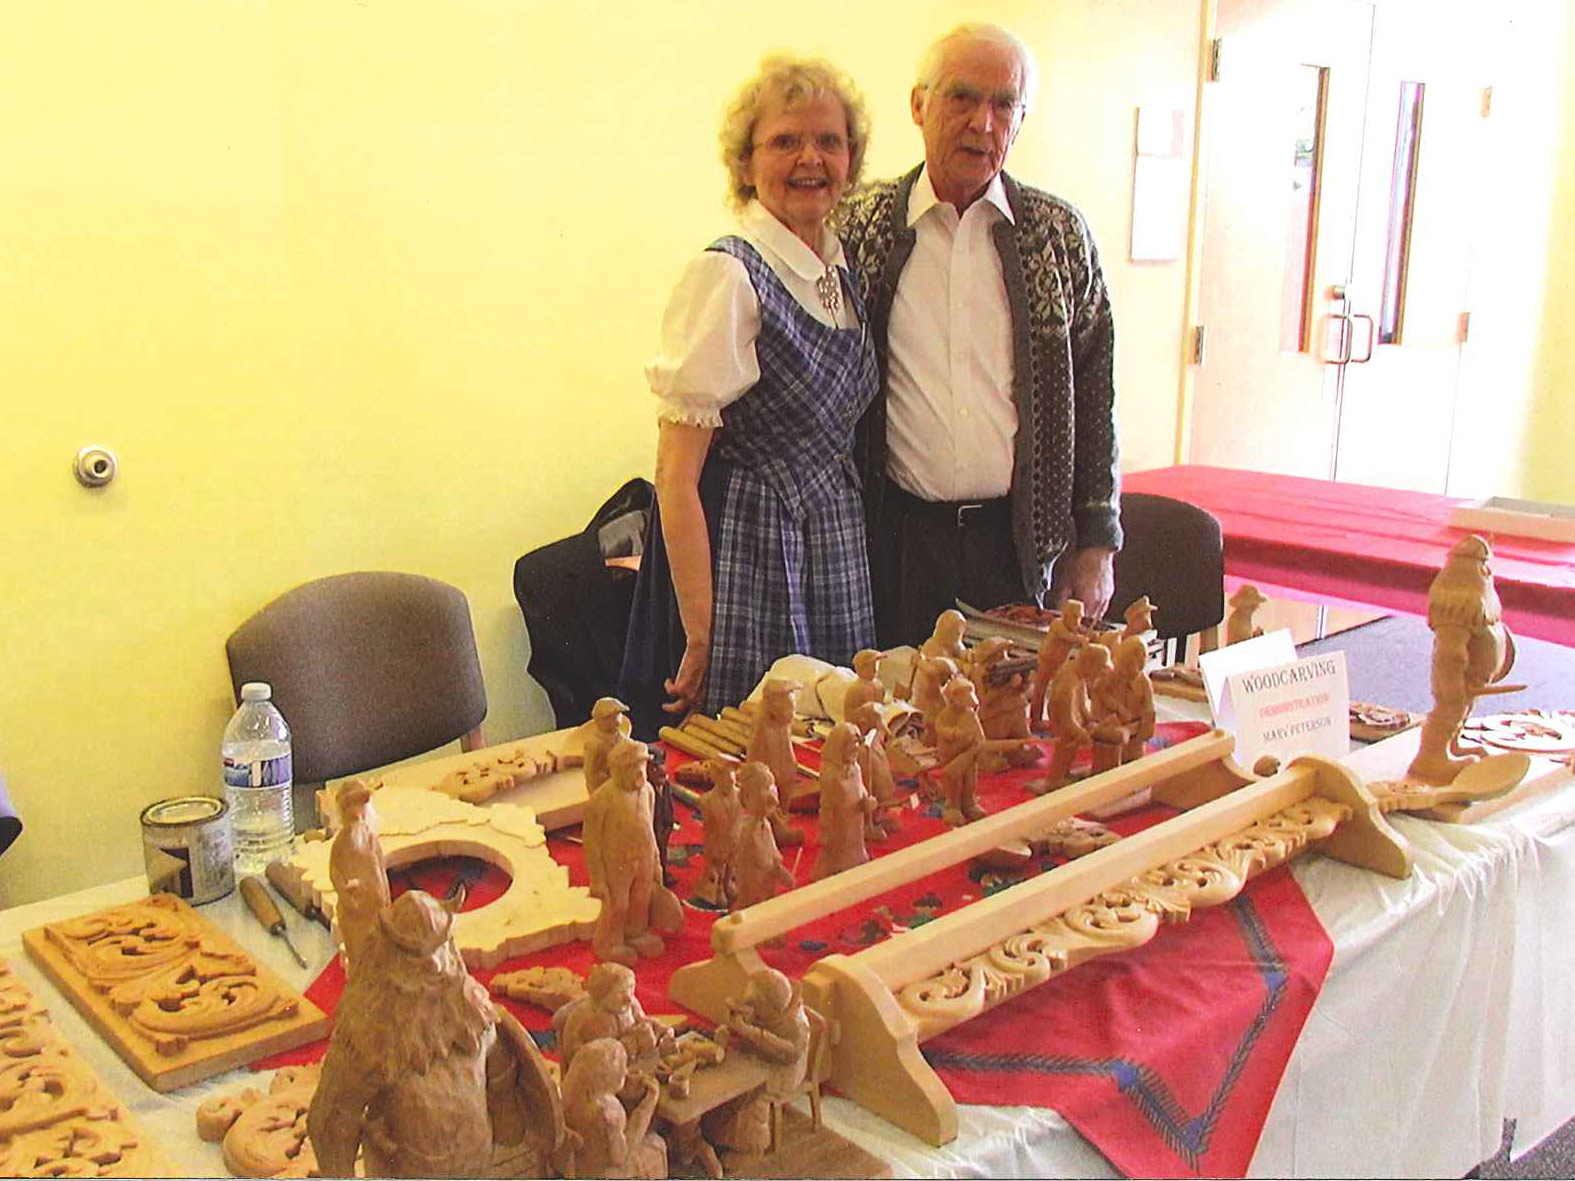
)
(1091, 581)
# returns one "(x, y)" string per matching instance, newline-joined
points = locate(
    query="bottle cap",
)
(256, 691)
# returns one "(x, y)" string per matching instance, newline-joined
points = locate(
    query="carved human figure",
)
(757, 861)
(1243, 604)
(845, 805)
(423, 1075)
(1472, 652)
(960, 743)
(1066, 633)
(356, 869)
(1070, 710)
(771, 742)
(720, 814)
(1139, 617)
(610, 1009)
(1003, 703)
(623, 863)
(768, 1022)
(868, 688)
(875, 767)
(1121, 703)
(605, 1140)
(930, 675)
(609, 722)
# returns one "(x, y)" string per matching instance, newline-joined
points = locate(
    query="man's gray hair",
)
(934, 59)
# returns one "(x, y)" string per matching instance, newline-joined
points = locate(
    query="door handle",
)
(1372, 338)
(1342, 355)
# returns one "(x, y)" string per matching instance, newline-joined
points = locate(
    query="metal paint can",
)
(187, 847)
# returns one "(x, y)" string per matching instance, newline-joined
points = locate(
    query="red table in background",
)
(1379, 547)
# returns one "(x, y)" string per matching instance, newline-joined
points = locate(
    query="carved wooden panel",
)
(56, 1118)
(177, 998)
(1116, 920)
(265, 1135)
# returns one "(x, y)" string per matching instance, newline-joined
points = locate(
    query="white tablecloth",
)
(1448, 1008)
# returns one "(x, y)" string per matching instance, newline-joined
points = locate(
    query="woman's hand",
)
(687, 686)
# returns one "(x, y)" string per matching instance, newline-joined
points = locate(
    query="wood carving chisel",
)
(266, 911)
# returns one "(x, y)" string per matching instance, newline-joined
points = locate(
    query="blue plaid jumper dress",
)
(783, 507)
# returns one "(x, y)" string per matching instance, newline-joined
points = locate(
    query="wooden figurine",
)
(1066, 633)
(770, 1023)
(875, 767)
(1003, 703)
(610, 1009)
(771, 743)
(868, 688)
(1472, 652)
(1121, 702)
(604, 1139)
(720, 814)
(662, 818)
(356, 869)
(423, 1075)
(1243, 604)
(960, 743)
(1070, 709)
(623, 862)
(757, 861)
(1139, 617)
(930, 675)
(609, 722)
(845, 805)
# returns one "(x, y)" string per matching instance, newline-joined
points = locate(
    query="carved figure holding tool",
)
(720, 814)
(1003, 687)
(604, 1139)
(930, 675)
(623, 862)
(771, 1023)
(609, 722)
(960, 743)
(1122, 703)
(356, 869)
(1066, 633)
(771, 743)
(1472, 652)
(845, 805)
(875, 767)
(945, 643)
(1243, 605)
(1070, 713)
(609, 1009)
(757, 861)
(1139, 617)
(868, 688)
(423, 1075)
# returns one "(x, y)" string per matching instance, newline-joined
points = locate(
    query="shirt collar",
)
(789, 247)
(922, 198)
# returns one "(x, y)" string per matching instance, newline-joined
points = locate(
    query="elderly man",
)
(992, 450)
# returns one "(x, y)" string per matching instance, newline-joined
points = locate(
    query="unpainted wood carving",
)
(265, 1135)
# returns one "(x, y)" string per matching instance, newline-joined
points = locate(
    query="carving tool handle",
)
(266, 911)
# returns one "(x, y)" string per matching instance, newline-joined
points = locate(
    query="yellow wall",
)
(369, 286)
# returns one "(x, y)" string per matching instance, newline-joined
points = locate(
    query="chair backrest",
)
(1174, 553)
(367, 668)
(10, 822)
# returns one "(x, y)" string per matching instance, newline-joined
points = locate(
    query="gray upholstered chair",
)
(1173, 553)
(367, 668)
(10, 822)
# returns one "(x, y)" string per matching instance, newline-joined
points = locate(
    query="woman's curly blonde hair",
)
(792, 82)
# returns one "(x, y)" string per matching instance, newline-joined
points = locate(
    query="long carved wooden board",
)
(56, 1117)
(177, 998)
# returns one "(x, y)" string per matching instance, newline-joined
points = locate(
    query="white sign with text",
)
(1301, 708)
(1246, 656)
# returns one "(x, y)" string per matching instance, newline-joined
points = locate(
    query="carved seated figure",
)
(769, 1023)
(605, 1140)
(1122, 702)
(610, 1009)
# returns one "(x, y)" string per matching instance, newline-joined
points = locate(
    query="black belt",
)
(959, 514)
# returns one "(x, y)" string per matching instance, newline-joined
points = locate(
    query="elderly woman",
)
(756, 549)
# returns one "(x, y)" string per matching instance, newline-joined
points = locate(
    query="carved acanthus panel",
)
(175, 996)
(56, 1118)
(265, 1135)
(1116, 920)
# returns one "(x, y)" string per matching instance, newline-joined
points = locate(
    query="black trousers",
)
(925, 555)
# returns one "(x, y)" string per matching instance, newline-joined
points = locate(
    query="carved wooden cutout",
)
(265, 1135)
(177, 998)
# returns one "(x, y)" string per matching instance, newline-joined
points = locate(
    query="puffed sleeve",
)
(707, 354)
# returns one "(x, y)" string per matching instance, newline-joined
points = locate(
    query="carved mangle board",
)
(177, 998)
(56, 1117)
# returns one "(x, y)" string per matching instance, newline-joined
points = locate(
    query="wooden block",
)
(56, 1117)
(177, 998)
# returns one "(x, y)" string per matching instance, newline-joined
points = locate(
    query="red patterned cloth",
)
(1166, 1057)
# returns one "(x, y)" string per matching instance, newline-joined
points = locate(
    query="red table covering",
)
(1361, 544)
(1166, 1057)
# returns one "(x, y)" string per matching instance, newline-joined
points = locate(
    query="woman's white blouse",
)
(706, 359)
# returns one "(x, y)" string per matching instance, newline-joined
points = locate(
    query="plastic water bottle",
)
(257, 780)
